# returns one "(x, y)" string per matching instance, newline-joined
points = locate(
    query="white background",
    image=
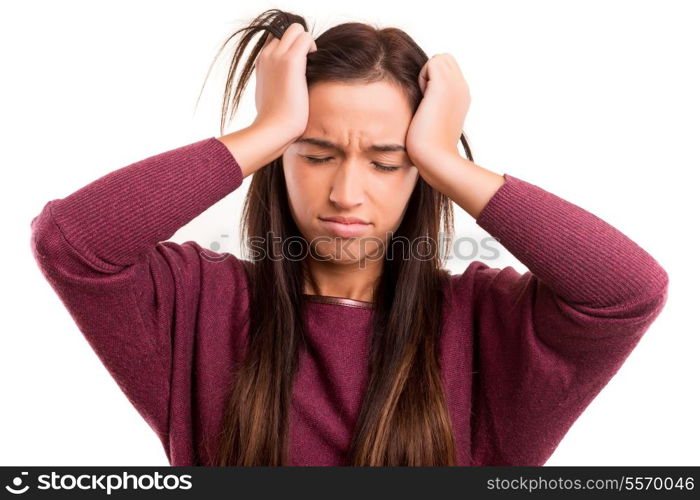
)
(596, 102)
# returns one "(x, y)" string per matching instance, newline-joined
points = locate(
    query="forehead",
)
(366, 109)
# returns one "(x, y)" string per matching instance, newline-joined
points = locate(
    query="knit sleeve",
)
(547, 341)
(103, 252)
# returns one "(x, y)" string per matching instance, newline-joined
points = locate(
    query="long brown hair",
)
(404, 418)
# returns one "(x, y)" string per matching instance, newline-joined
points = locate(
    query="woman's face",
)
(337, 168)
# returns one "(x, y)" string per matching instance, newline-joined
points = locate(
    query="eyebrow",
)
(331, 145)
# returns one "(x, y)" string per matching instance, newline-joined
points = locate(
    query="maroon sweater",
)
(522, 355)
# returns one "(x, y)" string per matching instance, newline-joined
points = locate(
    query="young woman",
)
(343, 340)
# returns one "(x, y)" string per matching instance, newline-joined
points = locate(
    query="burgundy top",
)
(522, 355)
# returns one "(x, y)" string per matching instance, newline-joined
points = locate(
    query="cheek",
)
(399, 183)
(304, 191)
(391, 197)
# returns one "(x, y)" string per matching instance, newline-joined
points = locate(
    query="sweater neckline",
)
(339, 301)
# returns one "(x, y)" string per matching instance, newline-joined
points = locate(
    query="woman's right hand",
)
(281, 93)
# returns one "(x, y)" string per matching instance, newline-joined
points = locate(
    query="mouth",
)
(345, 227)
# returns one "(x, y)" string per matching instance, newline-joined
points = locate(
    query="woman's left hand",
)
(436, 126)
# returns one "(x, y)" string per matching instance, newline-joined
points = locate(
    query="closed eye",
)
(378, 166)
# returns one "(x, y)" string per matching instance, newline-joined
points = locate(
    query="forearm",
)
(582, 257)
(464, 182)
(113, 219)
(256, 145)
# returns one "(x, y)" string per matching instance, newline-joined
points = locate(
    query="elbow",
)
(640, 302)
(652, 286)
(662, 294)
(45, 238)
(658, 289)
(650, 304)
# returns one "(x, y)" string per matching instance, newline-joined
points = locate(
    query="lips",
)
(345, 227)
(346, 220)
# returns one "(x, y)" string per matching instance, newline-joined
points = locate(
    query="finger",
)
(453, 63)
(423, 77)
(271, 42)
(302, 45)
(290, 35)
(268, 38)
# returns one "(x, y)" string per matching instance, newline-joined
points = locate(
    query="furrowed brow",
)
(331, 145)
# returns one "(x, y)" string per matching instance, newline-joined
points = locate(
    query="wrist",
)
(257, 145)
(437, 165)
(281, 134)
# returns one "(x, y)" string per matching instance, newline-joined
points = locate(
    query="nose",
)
(347, 190)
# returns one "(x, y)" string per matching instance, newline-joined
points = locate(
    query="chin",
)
(349, 250)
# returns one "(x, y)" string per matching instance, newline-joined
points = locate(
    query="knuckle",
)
(295, 27)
